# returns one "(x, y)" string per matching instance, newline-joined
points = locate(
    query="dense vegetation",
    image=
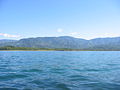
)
(61, 43)
(52, 49)
(16, 48)
(28, 48)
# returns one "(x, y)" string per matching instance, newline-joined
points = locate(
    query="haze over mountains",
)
(65, 42)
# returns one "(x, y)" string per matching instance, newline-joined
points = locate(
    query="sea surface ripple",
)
(59, 70)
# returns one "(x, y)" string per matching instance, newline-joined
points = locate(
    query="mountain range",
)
(65, 42)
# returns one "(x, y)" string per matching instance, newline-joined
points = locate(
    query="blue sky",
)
(43, 18)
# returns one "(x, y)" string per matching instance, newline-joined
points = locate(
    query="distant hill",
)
(6, 42)
(65, 42)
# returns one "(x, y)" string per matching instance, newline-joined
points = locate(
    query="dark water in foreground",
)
(59, 70)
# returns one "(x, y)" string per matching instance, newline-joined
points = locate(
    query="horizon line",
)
(61, 36)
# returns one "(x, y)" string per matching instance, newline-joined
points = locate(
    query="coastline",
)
(12, 48)
(59, 50)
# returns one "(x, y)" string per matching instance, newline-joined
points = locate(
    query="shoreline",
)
(12, 48)
(59, 50)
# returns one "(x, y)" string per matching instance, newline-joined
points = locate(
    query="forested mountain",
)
(65, 42)
(6, 42)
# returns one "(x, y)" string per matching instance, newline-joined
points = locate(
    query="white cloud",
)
(59, 30)
(8, 35)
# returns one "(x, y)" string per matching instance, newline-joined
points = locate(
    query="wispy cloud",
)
(9, 35)
(59, 30)
(74, 33)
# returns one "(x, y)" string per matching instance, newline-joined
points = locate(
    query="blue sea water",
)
(59, 70)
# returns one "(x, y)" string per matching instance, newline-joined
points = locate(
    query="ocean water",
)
(59, 70)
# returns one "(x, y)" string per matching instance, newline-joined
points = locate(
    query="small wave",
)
(9, 89)
(58, 70)
(78, 78)
(38, 82)
(32, 70)
(13, 76)
(62, 86)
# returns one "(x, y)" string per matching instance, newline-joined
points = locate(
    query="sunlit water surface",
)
(59, 70)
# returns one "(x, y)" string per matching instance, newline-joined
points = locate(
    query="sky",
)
(51, 18)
